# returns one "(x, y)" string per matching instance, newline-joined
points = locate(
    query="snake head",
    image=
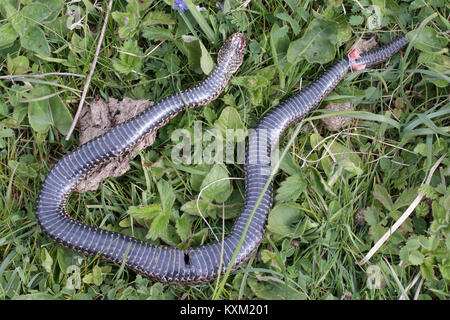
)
(232, 52)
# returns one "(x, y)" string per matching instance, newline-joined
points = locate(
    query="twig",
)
(42, 75)
(402, 219)
(91, 72)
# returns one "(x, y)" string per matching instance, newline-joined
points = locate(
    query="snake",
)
(206, 262)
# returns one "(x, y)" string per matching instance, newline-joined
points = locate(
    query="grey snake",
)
(198, 264)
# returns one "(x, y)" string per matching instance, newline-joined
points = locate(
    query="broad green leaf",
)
(159, 224)
(291, 188)
(405, 198)
(166, 195)
(427, 271)
(380, 193)
(283, 220)
(183, 228)
(233, 206)
(219, 187)
(289, 166)
(317, 44)
(229, 120)
(129, 58)
(34, 40)
(344, 32)
(8, 35)
(280, 41)
(286, 17)
(199, 58)
(371, 215)
(62, 118)
(197, 239)
(46, 109)
(429, 243)
(445, 269)
(35, 13)
(157, 17)
(18, 65)
(65, 258)
(157, 34)
(415, 257)
(39, 113)
(428, 40)
(356, 20)
(169, 236)
(145, 212)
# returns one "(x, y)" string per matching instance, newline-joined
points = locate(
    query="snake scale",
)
(198, 264)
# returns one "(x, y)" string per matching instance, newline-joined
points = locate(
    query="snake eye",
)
(186, 259)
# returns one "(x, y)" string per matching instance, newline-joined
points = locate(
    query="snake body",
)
(199, 264)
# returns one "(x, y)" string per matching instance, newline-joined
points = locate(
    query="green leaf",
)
(283, 220)
(216, 191)
(39, 113)
(166, 195)
(157, 34)
(380, 193)
(18, 65)
(183, 228)
(158, 226)
(46, 260)
(405, 198)
(199, 58)
(371, 215)
(35, 13)
(145, 212)
(34, 40)
(344, 156)
(61, 116)
(229, 120)
(291, 188)
(129, 58)
(9, 35)
(356, 20)
(415, 257)
(286, 17)
(46, 109)
(428, 40)
(157, 17)
(317, 43)
(427, 271)
(289, 166)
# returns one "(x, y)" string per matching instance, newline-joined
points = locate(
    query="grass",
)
(335, 195)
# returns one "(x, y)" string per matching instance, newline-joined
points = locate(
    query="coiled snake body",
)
(200, 264)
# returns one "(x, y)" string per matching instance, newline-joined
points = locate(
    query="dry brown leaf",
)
(100, 117)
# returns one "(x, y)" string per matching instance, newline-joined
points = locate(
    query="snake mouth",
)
(242, 40)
